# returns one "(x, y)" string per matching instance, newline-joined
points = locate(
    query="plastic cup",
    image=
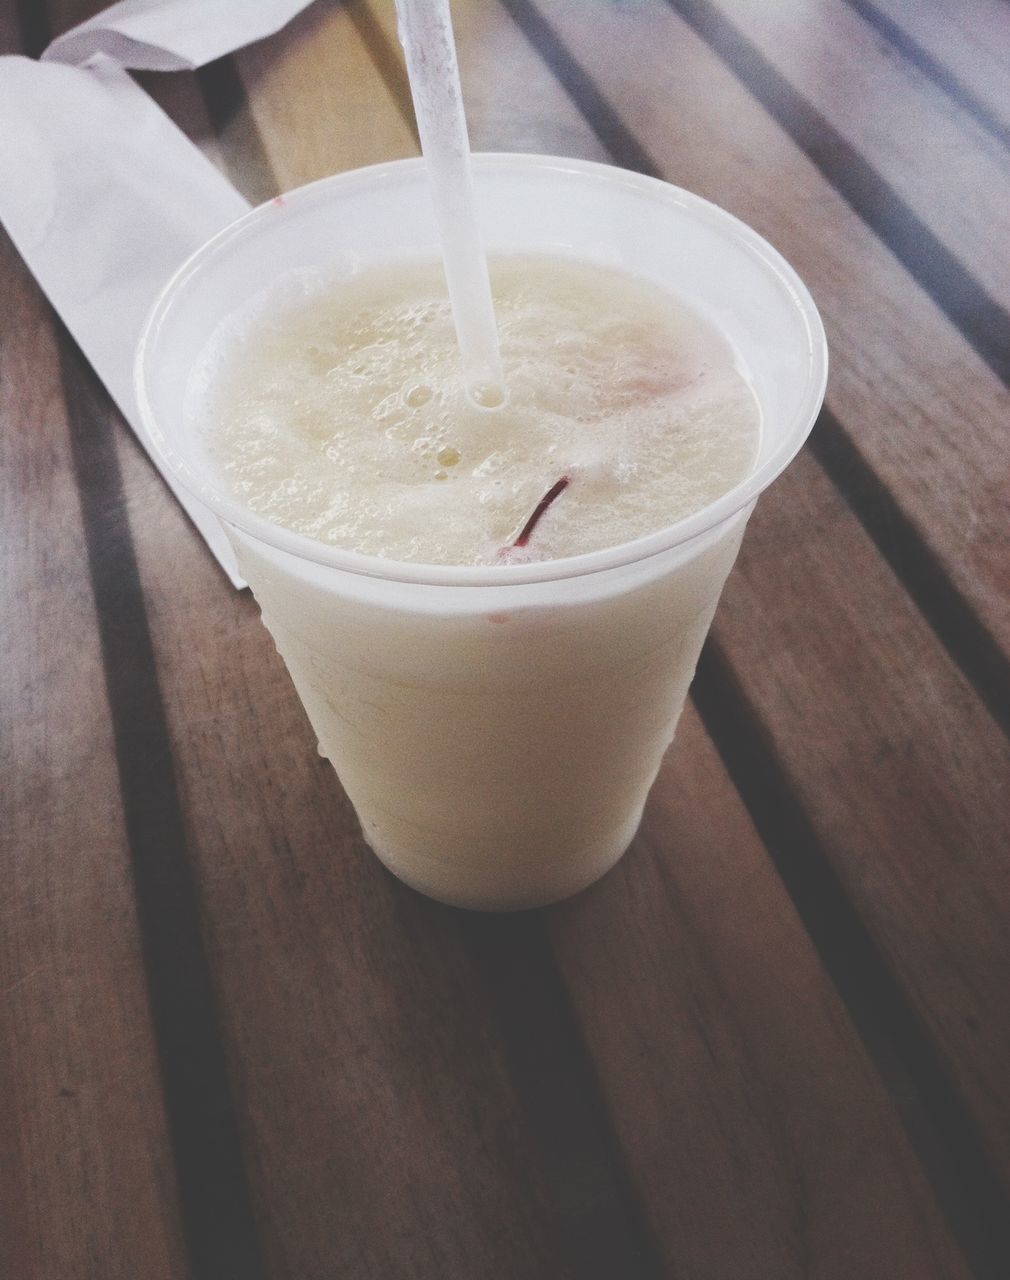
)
(497, 729)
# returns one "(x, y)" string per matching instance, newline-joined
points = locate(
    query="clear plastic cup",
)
(497, 728)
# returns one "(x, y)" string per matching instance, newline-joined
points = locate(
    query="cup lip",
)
(496, 575)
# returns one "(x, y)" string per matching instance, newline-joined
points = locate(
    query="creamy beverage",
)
(530, 740)
(340, 413)
(492, 616)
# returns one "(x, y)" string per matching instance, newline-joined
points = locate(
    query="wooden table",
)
(775, 1041)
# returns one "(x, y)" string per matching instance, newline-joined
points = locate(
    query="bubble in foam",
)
(486, 395)
(417, 395)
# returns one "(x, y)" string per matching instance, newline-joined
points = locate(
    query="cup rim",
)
(496, 575)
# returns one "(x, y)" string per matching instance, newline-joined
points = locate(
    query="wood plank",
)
(317, 102)
(742, 1097)
(506, 94)
(949, 948)
(380, 1125)
(905, 785)
(87, 1174)
(925, 412)
(969, 41)
(92, 1166)
(211, 1187)
(894, 115)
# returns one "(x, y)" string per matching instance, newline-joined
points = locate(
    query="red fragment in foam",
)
(555, 491)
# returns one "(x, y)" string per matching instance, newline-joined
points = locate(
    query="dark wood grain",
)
(742, 1097)
(916, 765)
(210, 1173)
(89, 1176)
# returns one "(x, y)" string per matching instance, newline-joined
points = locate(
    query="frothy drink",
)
(340, 412)
(529, 743)
(496, 712)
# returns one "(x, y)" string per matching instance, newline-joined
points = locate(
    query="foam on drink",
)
(338, 409)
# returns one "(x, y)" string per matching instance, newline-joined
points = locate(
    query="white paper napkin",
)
(104, 197)
(172, 35)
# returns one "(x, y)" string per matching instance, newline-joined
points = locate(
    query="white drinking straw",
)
(425, 29)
